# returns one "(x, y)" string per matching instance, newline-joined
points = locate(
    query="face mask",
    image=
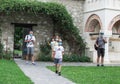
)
(30, 34)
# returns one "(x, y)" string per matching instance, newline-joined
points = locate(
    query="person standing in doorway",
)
(58, 55)
(100, 43)
(30, 40)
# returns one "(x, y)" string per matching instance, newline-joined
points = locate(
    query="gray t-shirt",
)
(101, 42)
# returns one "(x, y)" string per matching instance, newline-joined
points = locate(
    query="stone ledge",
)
(111, 39)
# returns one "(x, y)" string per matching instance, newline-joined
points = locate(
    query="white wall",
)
(106, 10)
(92, 5)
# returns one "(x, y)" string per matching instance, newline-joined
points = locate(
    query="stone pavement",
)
(39, 74)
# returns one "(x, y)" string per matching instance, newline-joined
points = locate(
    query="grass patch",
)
(10, 73)
(91, 75)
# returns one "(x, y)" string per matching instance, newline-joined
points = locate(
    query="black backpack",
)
(95, 47)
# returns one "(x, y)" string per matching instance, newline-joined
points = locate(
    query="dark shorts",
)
(58, 60)
(100, 52)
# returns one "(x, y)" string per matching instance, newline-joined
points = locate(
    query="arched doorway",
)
(93, 24)
(115, 39)
(114, 42)
(116, 27)
(92, 27)
(114, 22)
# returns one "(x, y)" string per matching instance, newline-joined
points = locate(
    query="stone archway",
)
(114, 22)
(114, 26)
(114, 44)
(93, 24)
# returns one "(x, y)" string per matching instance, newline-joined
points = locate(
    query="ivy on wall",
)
(61, 18)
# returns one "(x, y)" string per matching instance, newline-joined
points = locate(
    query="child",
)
(58, 55)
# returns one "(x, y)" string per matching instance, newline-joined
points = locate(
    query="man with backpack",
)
(100, 44)
(30, 41)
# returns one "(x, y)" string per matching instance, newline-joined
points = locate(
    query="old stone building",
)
(90, 17)
(103, 16)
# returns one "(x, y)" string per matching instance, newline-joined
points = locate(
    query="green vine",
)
(61, 18)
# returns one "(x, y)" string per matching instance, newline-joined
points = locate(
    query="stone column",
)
(106, 57)
(107, 34)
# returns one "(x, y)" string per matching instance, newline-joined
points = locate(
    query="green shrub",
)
(45, 52)
(44, 57)
(75, 58)
(7, 55)
(1, 50)
(45, 48)
(71, 58)
(85, 59)
(3, 54)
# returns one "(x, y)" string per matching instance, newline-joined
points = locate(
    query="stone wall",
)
(75, 9)
(7, 36)
(43, 31)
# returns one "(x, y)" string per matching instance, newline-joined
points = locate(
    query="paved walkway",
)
(39, 74)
